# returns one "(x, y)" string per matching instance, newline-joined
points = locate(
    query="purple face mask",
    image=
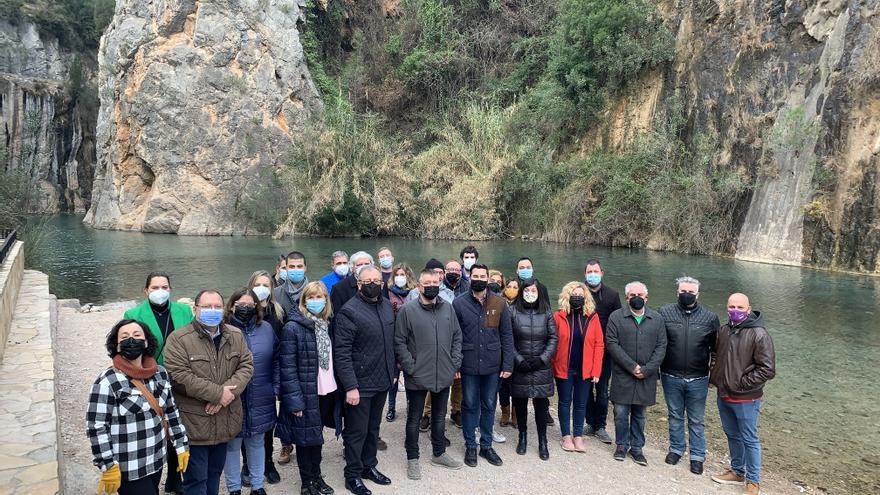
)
(737, 316)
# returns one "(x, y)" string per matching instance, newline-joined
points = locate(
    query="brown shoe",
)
(505, 416)
(284, 456)
(752, 489)
(728, 478)
(512, 418)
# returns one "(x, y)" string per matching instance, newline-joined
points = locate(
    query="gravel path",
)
(81, 357)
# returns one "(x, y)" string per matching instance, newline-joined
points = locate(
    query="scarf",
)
(148, 369)
(400, 292)
(322, 337)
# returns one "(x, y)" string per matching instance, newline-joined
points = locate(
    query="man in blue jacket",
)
(487, 349)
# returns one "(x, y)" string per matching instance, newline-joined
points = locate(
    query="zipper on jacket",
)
(436, 349)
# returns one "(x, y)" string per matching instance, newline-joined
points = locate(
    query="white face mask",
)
(469, 262)
(262, 292)
(400, 281)
(530, 297)
(159, 296)
(341, 270)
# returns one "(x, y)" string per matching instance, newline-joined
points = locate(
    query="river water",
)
(821, 419)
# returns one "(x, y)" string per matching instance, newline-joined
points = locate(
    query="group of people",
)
(205, 388)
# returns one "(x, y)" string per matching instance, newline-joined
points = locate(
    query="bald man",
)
(745, 361)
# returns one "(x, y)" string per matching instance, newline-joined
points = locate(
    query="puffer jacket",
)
(690, 339)
(534, 335)
(258, 399)
(198, 374)
(486, 336)
(363, 345)
(746, 359)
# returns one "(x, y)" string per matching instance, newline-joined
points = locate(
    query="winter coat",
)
(288, 296)
(299, 386)
(593, 350)
(745, 361)
(690, 339)
(607, 301)
(486, 334)
(258, 398)
(363, 347)
(343, 291)
(427, 343)
(631, 344)
(181, 314)
(198, 374)
(330, 280)
(534, 336)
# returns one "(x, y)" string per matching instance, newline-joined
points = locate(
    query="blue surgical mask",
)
(282, 274)
(525, 273)
(593, 279)
(315, 306)
(386, 262)
(210, 317)
(296, 276)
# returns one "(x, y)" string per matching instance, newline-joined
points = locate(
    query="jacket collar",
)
(627, 312)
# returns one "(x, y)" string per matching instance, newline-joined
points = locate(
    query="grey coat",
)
(534, 335)
(630, 344)
(427, 343)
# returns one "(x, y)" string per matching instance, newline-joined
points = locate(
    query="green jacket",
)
(181, 315)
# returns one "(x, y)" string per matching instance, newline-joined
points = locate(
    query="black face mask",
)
(494, 287)
(452, 278)
(431, 292)
(371, 290)
(576, 302)
(479, 285)
(244, 313)
(687, 299)
(132, 348)
(637, 303)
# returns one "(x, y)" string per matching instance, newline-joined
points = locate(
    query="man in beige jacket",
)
(210, 365)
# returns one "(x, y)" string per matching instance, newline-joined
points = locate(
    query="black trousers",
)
(174, 481)
(148, 485)
(415, 408)
(542, 412)
(361, 434)
(308, 459)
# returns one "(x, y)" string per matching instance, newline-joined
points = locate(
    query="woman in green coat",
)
(162, 316)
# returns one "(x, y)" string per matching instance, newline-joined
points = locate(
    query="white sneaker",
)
(498, 437)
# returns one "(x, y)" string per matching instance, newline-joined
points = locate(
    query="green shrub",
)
(349, 217)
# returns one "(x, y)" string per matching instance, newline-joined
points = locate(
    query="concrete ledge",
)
(10, 282)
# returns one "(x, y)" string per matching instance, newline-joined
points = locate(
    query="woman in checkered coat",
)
(126, 427)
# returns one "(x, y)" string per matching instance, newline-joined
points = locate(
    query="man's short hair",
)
(358, 255)
(633, 285)
(296, 255)
(479, 266)
(592, 261)
(364, 268)
(469, 250)
(338, 254)
(426, 271)
(208, 291)
(686, 280)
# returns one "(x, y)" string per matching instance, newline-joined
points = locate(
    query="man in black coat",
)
(636, 341)
(363, 356)
(346, 288)
(607, 301)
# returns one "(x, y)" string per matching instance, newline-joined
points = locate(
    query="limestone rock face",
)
(200, 100)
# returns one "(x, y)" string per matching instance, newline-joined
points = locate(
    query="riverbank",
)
(81, 357)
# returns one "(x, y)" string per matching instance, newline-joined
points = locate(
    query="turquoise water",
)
(821, 419)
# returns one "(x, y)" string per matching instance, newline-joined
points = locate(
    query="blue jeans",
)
(597, 397)
(479, 394)
(256, 454)
(629, 426)
(686, 396)
(572, 388)
(740, 423)
(202, 475)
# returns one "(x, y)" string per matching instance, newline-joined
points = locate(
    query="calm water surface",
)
(821, 420)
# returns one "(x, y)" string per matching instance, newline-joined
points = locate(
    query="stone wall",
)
(10, 281)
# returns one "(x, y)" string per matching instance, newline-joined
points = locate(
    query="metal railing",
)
(8, 238)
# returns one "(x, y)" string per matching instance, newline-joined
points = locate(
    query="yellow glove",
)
(182, 461)
(111, 480)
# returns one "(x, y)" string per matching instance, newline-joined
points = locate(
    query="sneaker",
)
(603, 436)
(620, 453)
(425, 423)
(728, 478)
(752, 489)
(589, 431)
(445, 460)
(498, 437)
(456, 418)
(567, 443)
(413, 470)
(697, 467)
(381, 445)
(284, 456)
(672, 458)
(639, 458)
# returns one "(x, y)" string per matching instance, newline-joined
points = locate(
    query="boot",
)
(505, 416)
(522, 446)
(512, 417)
(543, 451)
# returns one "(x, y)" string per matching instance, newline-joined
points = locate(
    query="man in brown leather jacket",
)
(744, 362)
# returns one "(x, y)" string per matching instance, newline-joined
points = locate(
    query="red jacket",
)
(594, 347)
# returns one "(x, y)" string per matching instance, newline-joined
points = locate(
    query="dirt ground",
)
(80, 357)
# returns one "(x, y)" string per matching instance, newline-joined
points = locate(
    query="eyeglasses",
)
(245, 305)
(372, 281)
(210, 307)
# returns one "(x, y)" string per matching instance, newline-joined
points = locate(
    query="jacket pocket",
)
(132, 403)
(200, 364)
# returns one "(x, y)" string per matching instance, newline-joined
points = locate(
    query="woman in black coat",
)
(308, 387)
(534, 338)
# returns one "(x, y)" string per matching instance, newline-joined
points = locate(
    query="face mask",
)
(687, 299)
(386, 262)
(452, 278)
(400, 281)
(530, 297)
(341, 270)
(315, 306)
(576, 302)
(469, 262)
(636, 303)
(593, 279)
(479, 285)
(132, 348)
(282, 274)
(262, 292)
(525, 273)
(210, 317)
(295, 275)
(244, 313)
(371, 290)
(510, 293)
(737, 316)
(159, 297)
(431, 292)
(495, 287)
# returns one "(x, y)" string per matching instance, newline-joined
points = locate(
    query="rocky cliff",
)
(47, 130)
(200, 103)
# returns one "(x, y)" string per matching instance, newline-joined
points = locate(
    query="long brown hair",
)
(230, 304)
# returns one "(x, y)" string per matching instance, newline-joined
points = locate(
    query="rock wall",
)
(46, 132)
(200, 99)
